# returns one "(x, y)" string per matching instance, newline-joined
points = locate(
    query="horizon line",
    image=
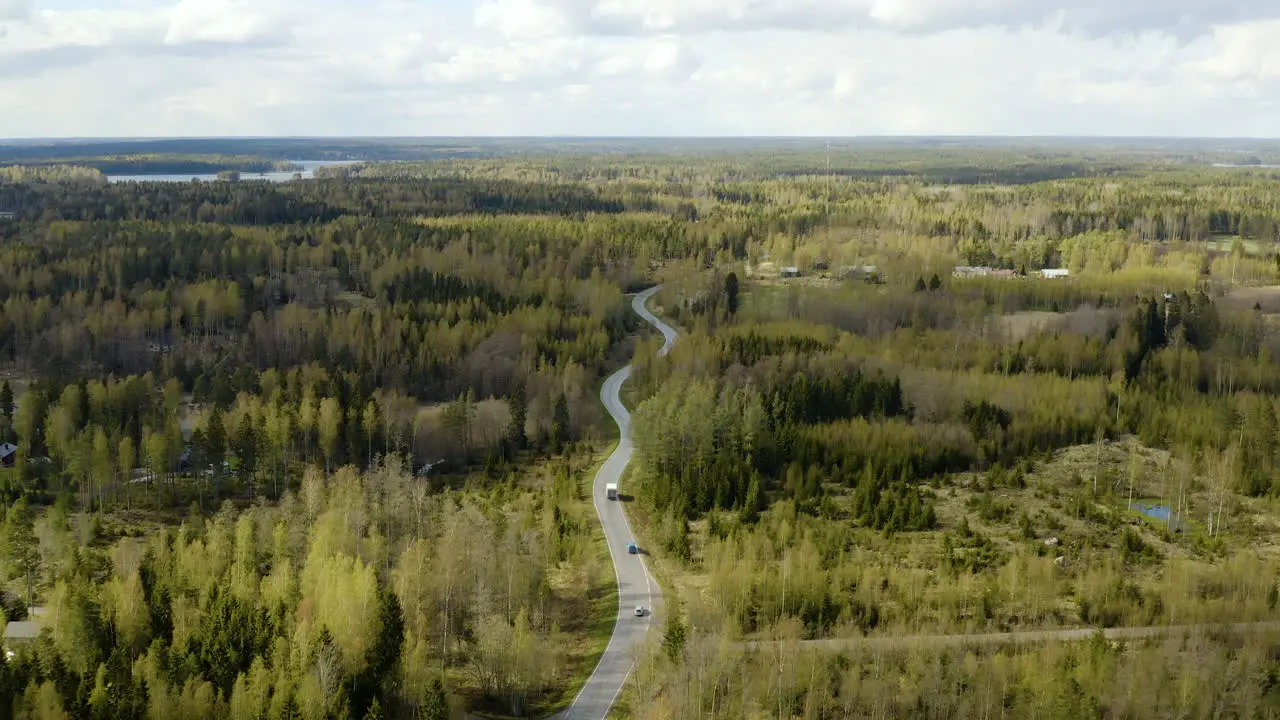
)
(143, 138)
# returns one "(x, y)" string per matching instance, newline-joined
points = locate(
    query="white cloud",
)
(520, 18)
(1246, 52)
(14, 9)
(1094, 17)
(643, 67)
(225, 21)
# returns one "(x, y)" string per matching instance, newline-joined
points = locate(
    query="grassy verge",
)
(678, 581)
(586, 649)
(584, 644)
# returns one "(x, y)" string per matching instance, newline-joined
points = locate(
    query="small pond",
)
(1155, 512)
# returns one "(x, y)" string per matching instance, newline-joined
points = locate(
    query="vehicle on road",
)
(611, 491)
(639, 611)
(631, 548)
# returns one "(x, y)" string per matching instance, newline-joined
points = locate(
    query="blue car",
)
(633, 549)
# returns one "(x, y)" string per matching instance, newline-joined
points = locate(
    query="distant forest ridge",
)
(424, 148)
(969, 160)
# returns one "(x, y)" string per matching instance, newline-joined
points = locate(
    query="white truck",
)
(611, 491)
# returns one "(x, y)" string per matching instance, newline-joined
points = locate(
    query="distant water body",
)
(308, 171)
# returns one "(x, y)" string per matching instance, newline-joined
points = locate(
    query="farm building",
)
(790, 272)
(868, 273)
(1050, 273)
(966, 271)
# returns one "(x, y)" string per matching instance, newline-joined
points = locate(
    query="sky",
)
(130, 68)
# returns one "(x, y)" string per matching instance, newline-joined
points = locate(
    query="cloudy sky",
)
(639, 67)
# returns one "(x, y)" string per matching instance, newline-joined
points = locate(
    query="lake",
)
(307, 171)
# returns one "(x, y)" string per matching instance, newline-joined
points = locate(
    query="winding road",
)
(635, 585)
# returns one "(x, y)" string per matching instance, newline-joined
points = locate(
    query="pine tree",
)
(436, 704)
(371, 421)
(215, 439)
(674, 637)
(19, 546)
(519, 414)
(6, 399)
(560, 424)
(731, 293)
(246, 449)
(750, 510)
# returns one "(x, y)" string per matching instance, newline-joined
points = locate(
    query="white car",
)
(639, 611)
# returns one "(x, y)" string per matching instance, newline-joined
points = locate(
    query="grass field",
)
(1248, 297)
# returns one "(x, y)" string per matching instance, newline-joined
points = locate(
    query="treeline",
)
(159, 164)
(1197, 676)
(296, 202)
(50, 174)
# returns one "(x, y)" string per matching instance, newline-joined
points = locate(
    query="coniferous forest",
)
(324, 448)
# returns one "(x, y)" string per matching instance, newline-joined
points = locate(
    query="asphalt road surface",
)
(635, 585)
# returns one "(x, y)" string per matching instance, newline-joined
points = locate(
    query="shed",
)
(8, 454)
(21, 630)
(1050, 273)
(790, 272)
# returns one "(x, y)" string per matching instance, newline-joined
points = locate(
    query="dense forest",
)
(323, 448)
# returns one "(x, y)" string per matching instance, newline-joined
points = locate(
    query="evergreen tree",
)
(371, 421)
(674, 636)
(6, 399)
(560, 424)
(436, 704)
(246, 449)
(519, 414)
(750, 510)
(731, 293)
(215, 439)
(19, 546)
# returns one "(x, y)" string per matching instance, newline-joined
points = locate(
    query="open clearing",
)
(1021, 325)
(1247, 297)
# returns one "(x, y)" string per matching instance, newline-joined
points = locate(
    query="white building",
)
(1050, 273)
